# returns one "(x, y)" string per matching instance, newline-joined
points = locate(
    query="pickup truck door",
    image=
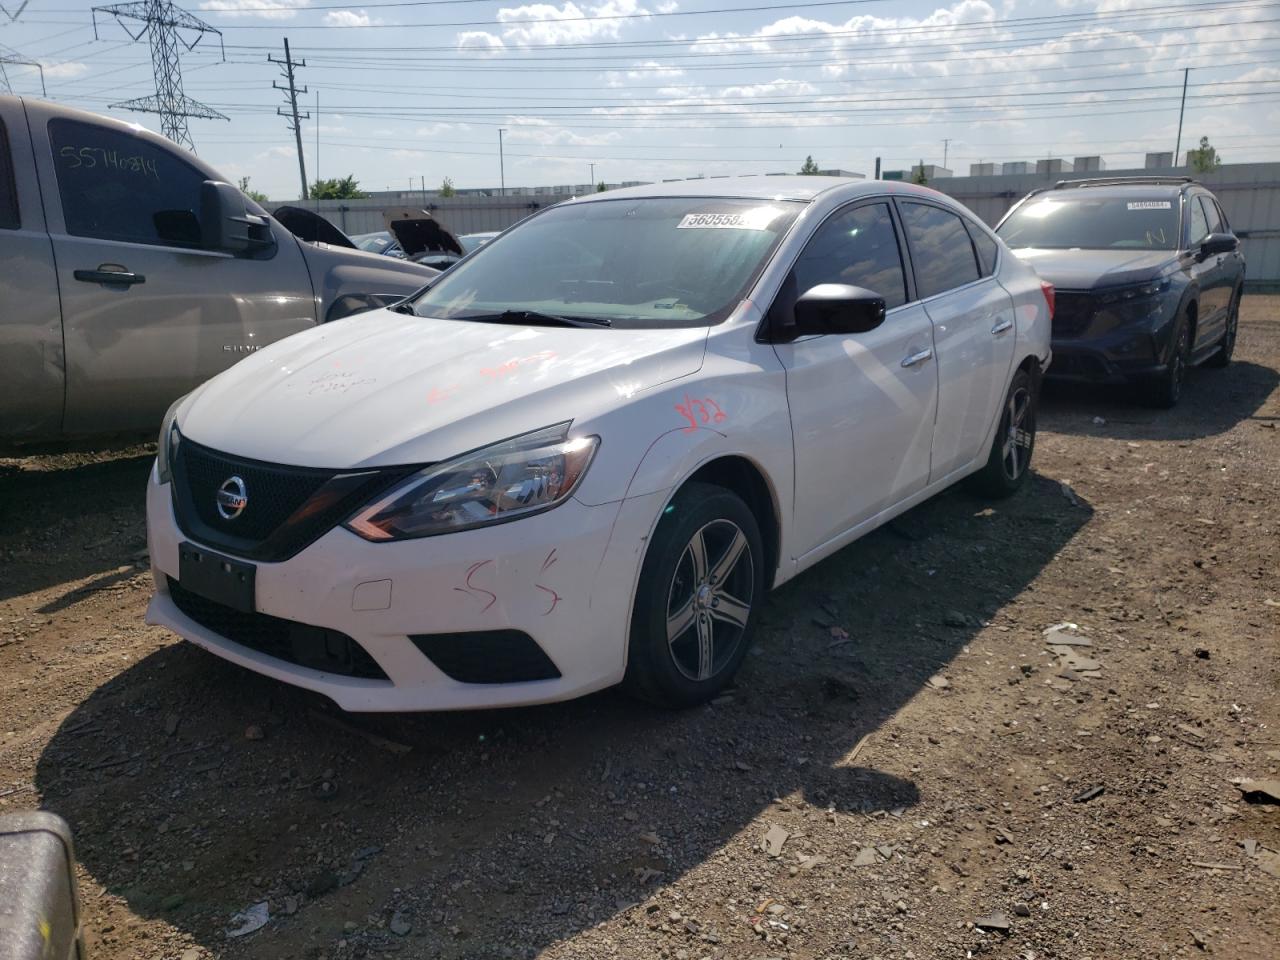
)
(30, 322)
(147, 313)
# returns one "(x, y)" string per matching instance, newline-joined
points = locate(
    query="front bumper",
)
(1110, 347)
(565, 578)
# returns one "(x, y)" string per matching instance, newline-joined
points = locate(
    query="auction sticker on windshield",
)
(756, 219)
(1150, 205)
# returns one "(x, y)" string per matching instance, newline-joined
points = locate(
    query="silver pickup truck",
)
(130, 273)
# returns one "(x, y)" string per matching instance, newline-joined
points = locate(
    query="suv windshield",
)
(1093, 222)
(651, 262)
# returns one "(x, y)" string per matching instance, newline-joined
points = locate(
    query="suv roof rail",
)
(1124, 181)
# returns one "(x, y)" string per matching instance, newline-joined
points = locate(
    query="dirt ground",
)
(930, 780)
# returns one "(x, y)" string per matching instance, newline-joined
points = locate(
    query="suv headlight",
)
(511, 479)
(1136, 291)
(167, 445)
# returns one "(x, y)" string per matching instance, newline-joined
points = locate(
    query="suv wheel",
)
(1222, 356)
(1010, 459)
(702, 579)
(1166, 389)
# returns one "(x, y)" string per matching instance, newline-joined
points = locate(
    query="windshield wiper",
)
(536, 318)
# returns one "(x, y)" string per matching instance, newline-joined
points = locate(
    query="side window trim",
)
(8, 184)
(972, 226)
(925, 201)
(1222, 215)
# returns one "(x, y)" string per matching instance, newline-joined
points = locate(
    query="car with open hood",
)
(1148, 275)
(583, 455)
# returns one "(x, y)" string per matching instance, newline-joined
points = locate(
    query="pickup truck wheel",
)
(1009, 462)
(702, 579)
(1165, 390)
(1222, 356)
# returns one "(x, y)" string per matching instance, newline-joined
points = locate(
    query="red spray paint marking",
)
(698, 412)
(547, 564)
(511, 366)
(475, 592)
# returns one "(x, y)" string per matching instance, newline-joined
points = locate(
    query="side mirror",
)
(226, 223)
(832, 308)
(1216, 243)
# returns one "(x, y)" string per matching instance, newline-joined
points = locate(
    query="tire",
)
(1009, 462)
(687, 639)
(1227, 346)
(1166, 390)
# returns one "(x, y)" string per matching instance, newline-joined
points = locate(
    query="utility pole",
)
(502, 172)
(288, 63)
(593, 175)
(424, 191)
(1186, 74)
(162, 22)
(317, 144)
(946, 146)
(877, 168)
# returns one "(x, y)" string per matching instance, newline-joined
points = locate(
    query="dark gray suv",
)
(1148, 277)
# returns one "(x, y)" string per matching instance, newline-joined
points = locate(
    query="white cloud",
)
(265, 9)
(569, 23)
(482, 42)
(544, 133)
(668, 6)
(64, 71)
(349, 18)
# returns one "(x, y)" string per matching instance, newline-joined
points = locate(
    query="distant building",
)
(894, 175)
(931, 171)
(1018, 166)
(982, 169)
(1090, 163)
(1053, 165)
(842, 173)
(1159, 161)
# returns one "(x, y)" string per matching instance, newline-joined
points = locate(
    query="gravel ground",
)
(938, 783)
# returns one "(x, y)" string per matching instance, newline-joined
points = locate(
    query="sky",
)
(413, 91)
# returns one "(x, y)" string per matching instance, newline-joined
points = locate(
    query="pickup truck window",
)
(117, 186)
(8, 191)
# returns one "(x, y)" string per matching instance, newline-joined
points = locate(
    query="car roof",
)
(804, 188)
(1120, 187)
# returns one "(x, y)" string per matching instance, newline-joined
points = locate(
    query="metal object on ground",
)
(39, 902)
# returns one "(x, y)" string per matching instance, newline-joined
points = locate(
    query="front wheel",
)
(702, 579)
(1165, 390)
(1010, 459)
(1222, 356)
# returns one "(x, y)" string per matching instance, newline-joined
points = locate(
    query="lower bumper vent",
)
(490, 656)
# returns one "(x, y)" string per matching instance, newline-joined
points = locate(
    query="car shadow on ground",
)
(499, 833)
(66, 523)
(1213, 402)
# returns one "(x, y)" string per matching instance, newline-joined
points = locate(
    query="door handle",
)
(119, 277)
(1001, 326)
(916, 358)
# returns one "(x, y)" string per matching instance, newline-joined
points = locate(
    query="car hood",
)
(1093, 269)
(418, 232)
(383, 388)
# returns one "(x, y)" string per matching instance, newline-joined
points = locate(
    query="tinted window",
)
(1222, 215)
(1211, 214)
(117, 186)
(1199, 223)
(941, 251)
(858, 247)
(1067, 219)
(649, 262)
(8, 192)
(988, 249)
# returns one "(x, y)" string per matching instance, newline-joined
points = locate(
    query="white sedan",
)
(581, 457)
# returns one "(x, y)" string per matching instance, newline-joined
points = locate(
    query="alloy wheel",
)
(709, 599)
(1178, 364)
(1018, 424)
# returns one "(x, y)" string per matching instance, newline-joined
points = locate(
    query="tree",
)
(345, 188)
(1205, 159)
(446, 188)
(917, 175)
(257, 196)
(600, 187)
(809, 168)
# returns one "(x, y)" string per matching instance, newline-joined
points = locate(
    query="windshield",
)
(653, 262)
(1093, 223)
(373, 242)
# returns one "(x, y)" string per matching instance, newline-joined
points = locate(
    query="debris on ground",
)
(1260, 791)
(774, 840)
(1086, 795)
(993, 921)
(250, 920)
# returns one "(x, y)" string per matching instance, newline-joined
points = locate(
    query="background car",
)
(474, 241)
(1148, 278)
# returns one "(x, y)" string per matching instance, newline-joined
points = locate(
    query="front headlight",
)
(515, 478)
(1136, 291)
(167, 445)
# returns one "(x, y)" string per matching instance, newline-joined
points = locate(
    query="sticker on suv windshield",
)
(758, 218)
(1150, 205)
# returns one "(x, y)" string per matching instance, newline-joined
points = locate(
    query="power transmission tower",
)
(11, 57)
(162, 22)
(295, 118)
(16, 13)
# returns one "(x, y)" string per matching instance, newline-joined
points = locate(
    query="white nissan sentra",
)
(582, 455)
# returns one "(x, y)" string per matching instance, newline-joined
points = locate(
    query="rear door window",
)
(118, 186)
(988, 249)
(941, 252)
(8, 190)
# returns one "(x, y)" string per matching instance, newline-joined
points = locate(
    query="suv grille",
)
(299, 643)
(286, 508)
(1072, 313)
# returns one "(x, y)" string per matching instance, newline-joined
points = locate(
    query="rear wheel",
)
(702, 579)
(1222, 356)
(1165, 390)
(1010, 459)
